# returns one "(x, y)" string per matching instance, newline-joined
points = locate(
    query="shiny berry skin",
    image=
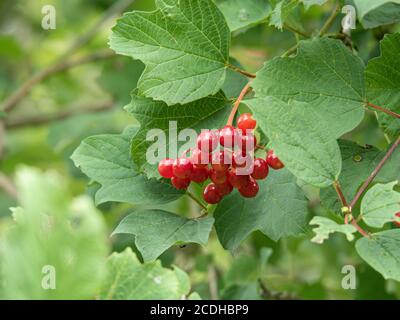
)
(199, 158)
(221, 161)
(248, 142)
(240, 160)
(229, 137)
(182, 168)
(273, 161)
(199, 174)
(397, 224)
(179, 183)
(249, 190)
(246, 122)
(165, 168)
(218, 177)
(211, 194)
(224, 188)
(260, 169)
(236, 180)
(207, 141)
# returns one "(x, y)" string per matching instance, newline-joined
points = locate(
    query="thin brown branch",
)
(241, 71)
(237, 103)
(8, 186)
(26, 88)
(340, 194)
(329, 22)
(46, 118)
(387, 111)
(374, 173)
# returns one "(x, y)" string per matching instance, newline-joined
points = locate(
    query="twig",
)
(237, 103)
(244, 72)
(46, 118)
(196, 200)
(330, 20)
(213, 282)
(375, 172)
(387, 111)
(339, 191)
(297, 31)
(290, 51)
(23, 91)
(8, 186)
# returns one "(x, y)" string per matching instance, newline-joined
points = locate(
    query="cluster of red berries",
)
(231, 167)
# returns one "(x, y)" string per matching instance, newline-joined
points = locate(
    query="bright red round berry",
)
(221, 161)
(211, 194)
(218, 177)
(241, 160)
(273, 161)
(229, 137)
(248, 142)
(182, 168)
(199, 174)
(199, 158)
(165, 168)
(249, 190)
(224, 188)
(179, 183)
(207, 141)
(246, 122)
(260, 169)
(397, 224)
(236, 180)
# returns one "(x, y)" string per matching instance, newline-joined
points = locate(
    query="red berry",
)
(273, 161)
(240, 160)
(229, 137)
(249, 190)
(224, 188)
(199, 174)
(246, 121)
(182, 168)
(211, 195)
(179, 183)
(218, 177)
(236, 180)
(248, 142)
(165, 168)
(221, 161)
(207, 141)
(260, 170)
(397, 224)
(199, 158)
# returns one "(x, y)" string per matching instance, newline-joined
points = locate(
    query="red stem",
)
(389, 112)
(237, 103)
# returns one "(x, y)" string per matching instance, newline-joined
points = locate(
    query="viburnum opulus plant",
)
(292, 115)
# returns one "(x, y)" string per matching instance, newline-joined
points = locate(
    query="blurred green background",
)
(61, 109)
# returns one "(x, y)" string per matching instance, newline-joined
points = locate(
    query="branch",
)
(330, 20)
(375, 172)
(297, 31)
(237, 103)
(190, 195)
(244, 72)
(387, 111)
(8, 186)
(24, 90)
(46, 118)
(340, 194)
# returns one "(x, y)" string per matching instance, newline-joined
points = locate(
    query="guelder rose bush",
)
(293, 117)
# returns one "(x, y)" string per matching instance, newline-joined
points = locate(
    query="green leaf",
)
(241, 14)
(301, 139)
(128, 279)
(358, 163)
(184, 45)
(382, 252)
(325, 74)
(2, 114)
(374, 13)
(327, 226)
(57, 245)
(157, 230)
(279, 210)
(207, 113)
(383, 82)
(380, 205)
(106, 160)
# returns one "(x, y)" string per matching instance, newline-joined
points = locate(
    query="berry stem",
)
(241, 71)
(237, 103)
(339, 191)
(374, 173)
(389, 112)
(190, 195)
